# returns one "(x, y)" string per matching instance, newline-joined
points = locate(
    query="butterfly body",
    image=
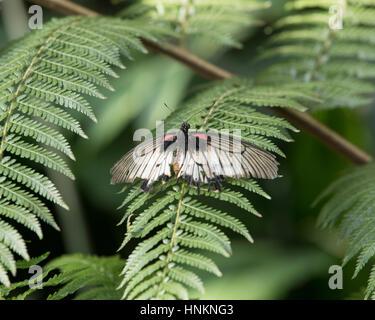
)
(197, 156)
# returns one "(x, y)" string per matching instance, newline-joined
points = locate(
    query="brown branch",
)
(65, 7)
(301, 120)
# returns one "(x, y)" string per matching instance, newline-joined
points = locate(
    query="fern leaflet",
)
(44, 78)
(219, 21)
(351, 207)
(331, 52)
(79, 276)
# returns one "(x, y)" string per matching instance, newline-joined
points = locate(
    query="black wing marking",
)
(131, 164)
(149, 160)
(209, 158)
(212, 157)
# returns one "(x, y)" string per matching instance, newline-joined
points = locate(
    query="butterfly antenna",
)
(165, 105)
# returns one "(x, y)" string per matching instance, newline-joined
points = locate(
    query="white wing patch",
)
(200, 158)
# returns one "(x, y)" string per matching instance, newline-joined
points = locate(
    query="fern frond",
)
(76, 275)
(197, 261)
(231, 196)
(201, 211)
(45, 78)
(12, 239)
(90, 272)
(174, 221)
(307, 47)
(351, 207)
(219, 21)
(22, 216)
(7, 260)
(38, 154)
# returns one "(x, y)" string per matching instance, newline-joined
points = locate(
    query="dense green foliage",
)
(333, 50)
(218, 21)
(49, 77)
(351, 206)
(44, 78)
(94, 278)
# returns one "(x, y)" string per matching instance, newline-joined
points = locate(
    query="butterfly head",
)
(185, 127)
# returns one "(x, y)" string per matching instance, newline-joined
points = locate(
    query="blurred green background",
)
(290, 257)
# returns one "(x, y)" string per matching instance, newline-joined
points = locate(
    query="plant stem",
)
(214, 105)
(299, 119)
(171, 244)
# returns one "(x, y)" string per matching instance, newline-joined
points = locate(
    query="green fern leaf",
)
(45, 78)
(213, 20)
(76, 276)
(308, 46)
(350, 206)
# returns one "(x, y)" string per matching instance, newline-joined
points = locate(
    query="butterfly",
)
(197, 156)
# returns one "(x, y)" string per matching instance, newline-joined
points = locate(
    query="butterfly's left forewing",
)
(129, 166)
(149, 161)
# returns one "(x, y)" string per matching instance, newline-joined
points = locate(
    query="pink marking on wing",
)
(168, 136)
(200, 135)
